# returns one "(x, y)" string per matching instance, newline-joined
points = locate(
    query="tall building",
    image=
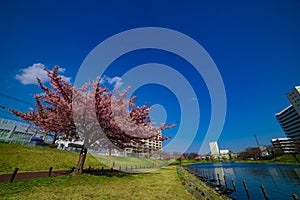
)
(289, 121)
(294, 98)
(214, 148)
(289, 118)
(285, 145)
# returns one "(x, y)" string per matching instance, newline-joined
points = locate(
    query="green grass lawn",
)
(161, 184)
(186, 162)
(28, 158)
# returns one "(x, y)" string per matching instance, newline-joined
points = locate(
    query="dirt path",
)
(29, 175)
(41, 174)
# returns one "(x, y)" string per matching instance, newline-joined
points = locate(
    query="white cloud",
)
(28, 75)
(67, 79)
(61, 70)
(116, 81)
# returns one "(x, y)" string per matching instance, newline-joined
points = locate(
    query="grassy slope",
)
(288, 158)
(28, 158)
(284, 159)
(126, 161)
(161, 184)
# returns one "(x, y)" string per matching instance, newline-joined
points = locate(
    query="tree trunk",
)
(81, 161)
(54, 139)
(53, 145)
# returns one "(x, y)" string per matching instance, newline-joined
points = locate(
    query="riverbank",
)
(196, 187)
(266, 162)
(284, 159)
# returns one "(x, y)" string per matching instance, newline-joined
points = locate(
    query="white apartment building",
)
(289, 118)
(294, 98)
(150, 148)
(285, 145)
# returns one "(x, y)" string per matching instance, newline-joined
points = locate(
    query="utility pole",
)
(257, 142)
(262, 149)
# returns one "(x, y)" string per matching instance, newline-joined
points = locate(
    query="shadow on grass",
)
(112, 173)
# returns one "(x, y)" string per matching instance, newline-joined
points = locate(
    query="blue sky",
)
(254, 44)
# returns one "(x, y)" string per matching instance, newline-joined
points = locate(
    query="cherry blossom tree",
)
(102, 118)
(53, 110)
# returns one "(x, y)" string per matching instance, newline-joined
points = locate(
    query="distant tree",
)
(197, 158)
(207, 158)
(180, 159)
(190, 156)
(278, 153)
(176, 155)
(71, 112)
(250, 152)
(166, 155)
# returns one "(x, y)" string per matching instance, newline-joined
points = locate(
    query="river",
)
(280, 180)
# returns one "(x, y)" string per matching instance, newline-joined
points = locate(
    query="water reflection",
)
(219, 171)
(280, 181)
